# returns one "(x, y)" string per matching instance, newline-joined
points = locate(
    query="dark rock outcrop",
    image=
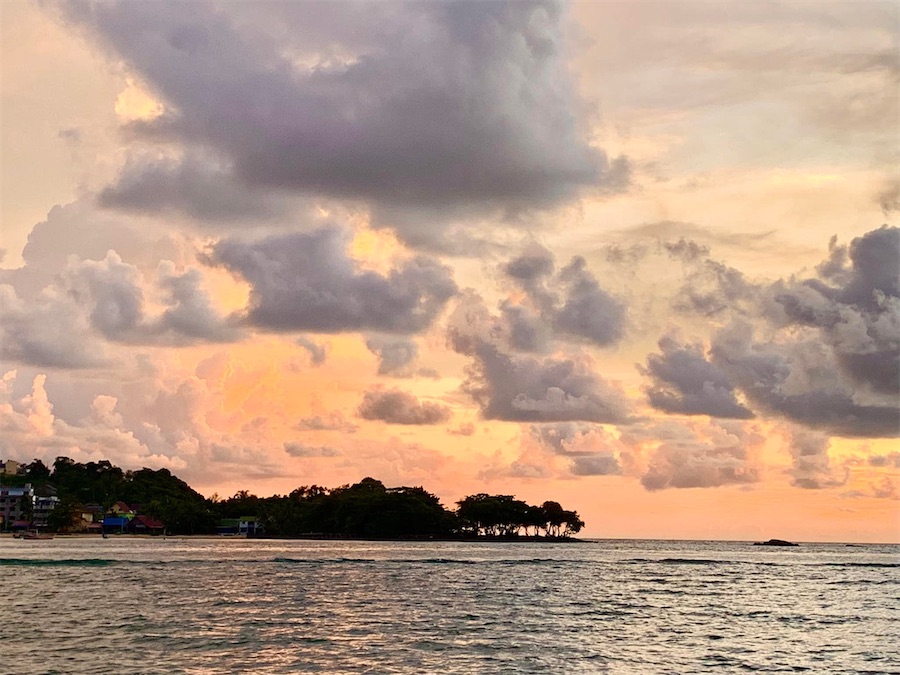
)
(775, 542)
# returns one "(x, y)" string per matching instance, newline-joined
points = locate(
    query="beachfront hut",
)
(115, 524)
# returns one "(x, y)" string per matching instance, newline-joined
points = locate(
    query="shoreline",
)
(238, 537)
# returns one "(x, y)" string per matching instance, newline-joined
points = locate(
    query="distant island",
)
(774, 542)
(98, 497)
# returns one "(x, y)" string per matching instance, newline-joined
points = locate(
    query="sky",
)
(640, 258)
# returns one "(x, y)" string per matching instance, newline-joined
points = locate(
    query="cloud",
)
(199, 188)
(561, 436)
(464, 429)
(797, 380)
(399, 407)
(858, 312)
(190, 315)
(570, 304)
(395, 357)
(888, 197)
(713, 288)
(331, 422)
(307, 281)
(295, 449)
(48, 332)
(527, 388)
(78, 229)
(685, 382)
(430, 104)
(885, 489)
(596, 465)
(891, 459)
(589, 311)
(811, 468)
(592, 449)
(317, 352)
(820, 350)
(95, 300)
(526, 329)
(30, 422)
(714, 456)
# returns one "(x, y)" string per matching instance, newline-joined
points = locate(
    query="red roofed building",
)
(147, 525)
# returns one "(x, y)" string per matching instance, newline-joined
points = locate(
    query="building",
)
(115, 524)
(15, 504)
(41, 509)
(122, 509)
(246, 526)
(147, 525)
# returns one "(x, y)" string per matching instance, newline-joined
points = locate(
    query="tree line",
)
(366, 509)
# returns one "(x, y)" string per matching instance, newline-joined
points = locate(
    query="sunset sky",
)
(640, 258)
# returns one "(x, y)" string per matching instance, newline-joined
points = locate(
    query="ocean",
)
(208, 606)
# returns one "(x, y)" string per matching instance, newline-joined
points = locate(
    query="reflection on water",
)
(213, 606)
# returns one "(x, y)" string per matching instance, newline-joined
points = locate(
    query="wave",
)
(67, 562)
(755, 563)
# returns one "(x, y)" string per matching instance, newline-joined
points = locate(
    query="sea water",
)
(203, 606)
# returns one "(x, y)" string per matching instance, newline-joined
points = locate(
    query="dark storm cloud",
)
(570, 304)
(189, 315)
(527, 330)
(821, 350)
(531, 268)
(420, 104)
(111, 291)
(309, 282)
(199, 189)
(797, 380)
(685, 382)
(588, 311)
(399, 407)
(856, 306)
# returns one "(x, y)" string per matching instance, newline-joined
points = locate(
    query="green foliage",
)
(91, 483)
(159, 493)
(505, 516)
(366, 509)
(63, 516)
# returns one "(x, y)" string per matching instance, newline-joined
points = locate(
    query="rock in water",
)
(775, 542)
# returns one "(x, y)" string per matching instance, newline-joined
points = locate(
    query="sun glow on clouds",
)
(319, 254)
(135, 104)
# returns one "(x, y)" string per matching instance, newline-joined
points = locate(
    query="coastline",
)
(317, 537)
